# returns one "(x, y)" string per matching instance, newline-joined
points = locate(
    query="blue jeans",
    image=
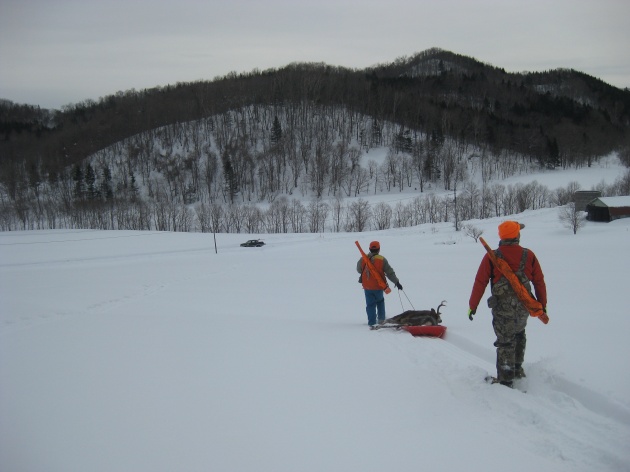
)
(374, 303)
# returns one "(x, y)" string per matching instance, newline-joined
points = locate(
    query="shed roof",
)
(612, 202)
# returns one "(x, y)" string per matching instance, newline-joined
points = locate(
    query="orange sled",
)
(434, 331)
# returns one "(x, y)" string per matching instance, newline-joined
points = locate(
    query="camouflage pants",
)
(509, 319)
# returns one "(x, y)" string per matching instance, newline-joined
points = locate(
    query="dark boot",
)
(494, 380)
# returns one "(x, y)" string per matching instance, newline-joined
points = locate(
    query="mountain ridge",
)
(305, 125)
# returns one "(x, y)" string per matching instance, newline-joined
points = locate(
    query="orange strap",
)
(534, 307)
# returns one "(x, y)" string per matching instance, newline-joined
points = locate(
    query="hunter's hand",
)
(471, 313)
(544, 318)
(398, 286)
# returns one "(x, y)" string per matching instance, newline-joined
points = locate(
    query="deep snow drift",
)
(146, 351)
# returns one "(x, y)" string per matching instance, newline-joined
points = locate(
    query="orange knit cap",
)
(510, 229)
(375, 246)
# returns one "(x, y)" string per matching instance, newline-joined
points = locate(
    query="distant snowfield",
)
(148, 351)
(608, 169)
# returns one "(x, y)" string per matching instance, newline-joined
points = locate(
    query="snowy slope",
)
(131, 351)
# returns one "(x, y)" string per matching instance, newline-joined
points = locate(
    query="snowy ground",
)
(146, 351)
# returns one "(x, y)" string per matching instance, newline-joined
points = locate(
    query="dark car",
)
(253, 243)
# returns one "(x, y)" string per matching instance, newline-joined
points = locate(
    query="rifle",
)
(534, 307)
(373, 272)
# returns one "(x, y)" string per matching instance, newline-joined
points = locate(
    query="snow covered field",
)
(148, 352)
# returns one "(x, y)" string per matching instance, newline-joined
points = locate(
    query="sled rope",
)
(401, 302)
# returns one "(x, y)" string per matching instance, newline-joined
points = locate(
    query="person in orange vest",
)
(509, 315)
(374, 294)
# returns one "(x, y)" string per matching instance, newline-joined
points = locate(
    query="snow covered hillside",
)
(148, 351)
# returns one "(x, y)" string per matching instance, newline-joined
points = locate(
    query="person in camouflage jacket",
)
(509, 316)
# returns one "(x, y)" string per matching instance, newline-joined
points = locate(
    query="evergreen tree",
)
(77, 176)
(276, 132)
(90, 181)
(377, 134)
(106, 184)
(133, 188)
(231, 184)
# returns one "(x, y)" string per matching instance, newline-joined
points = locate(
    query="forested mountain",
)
(155, 154)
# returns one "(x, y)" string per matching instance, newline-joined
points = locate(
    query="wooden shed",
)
(608, 208)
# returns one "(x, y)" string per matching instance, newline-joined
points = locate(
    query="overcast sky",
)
(58, 52)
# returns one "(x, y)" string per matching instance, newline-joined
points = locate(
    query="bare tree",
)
(217, 217)
(622, 184)
(337, 212)
(297, 216)
(571, 218)
(382, 216)
(253, 218)
(203, 217)
(361, 180)
(316, 213)
(472, 231)
(497, 192)
(359, 213)
(417, 160)
(402, 215)
(562, 196)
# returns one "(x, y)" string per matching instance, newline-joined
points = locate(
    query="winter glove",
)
(398, 286)
(471, 312)
(544, 318)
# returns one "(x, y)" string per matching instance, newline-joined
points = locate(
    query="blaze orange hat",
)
(510, 229)
(375, 246)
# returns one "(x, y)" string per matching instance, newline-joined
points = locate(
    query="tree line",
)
(291, 215)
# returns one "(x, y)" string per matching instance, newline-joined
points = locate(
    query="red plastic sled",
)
(436, 331)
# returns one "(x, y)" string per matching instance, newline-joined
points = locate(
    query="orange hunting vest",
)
(368, 282)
